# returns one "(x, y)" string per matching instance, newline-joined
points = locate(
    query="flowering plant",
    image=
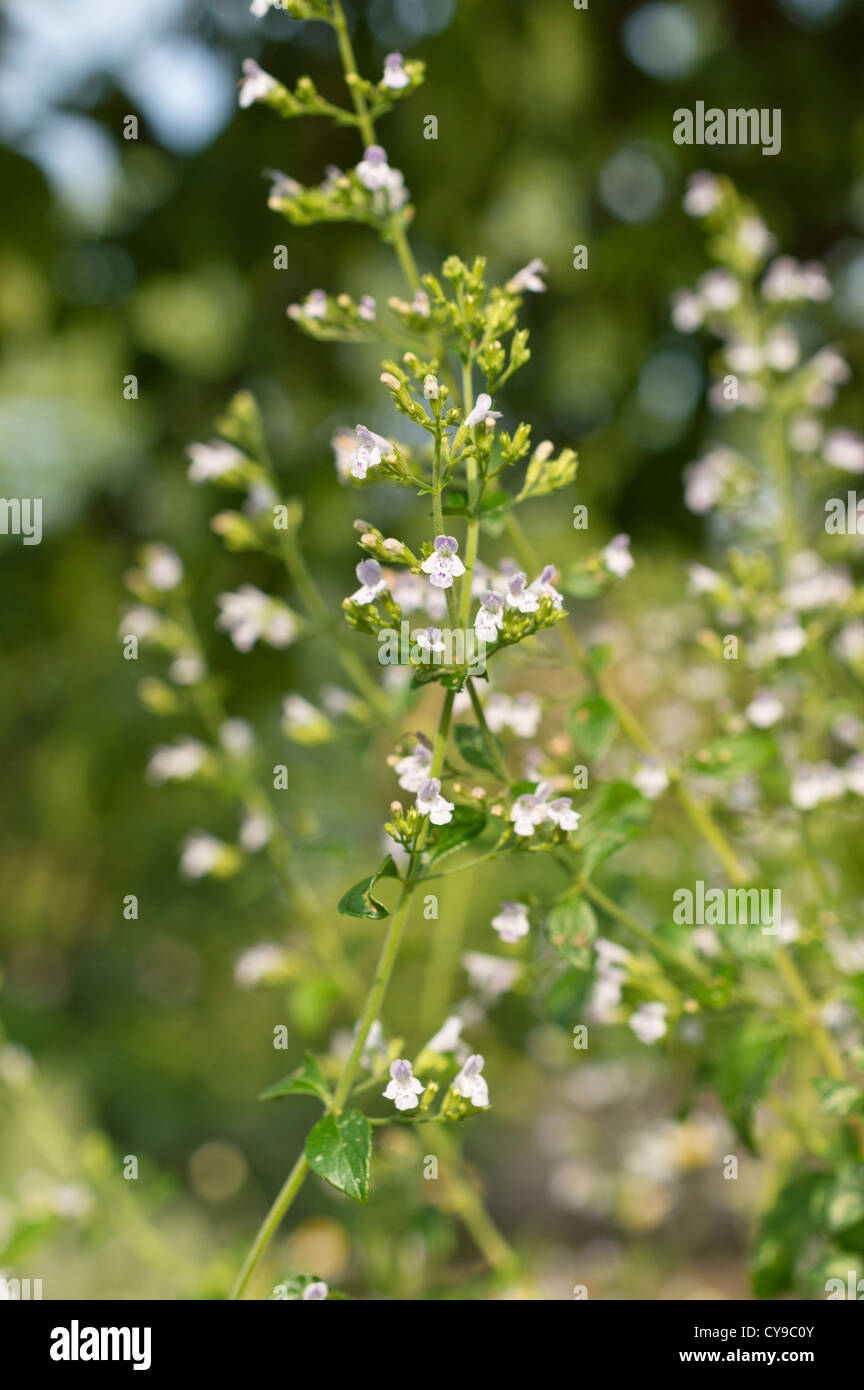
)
(754, 1005)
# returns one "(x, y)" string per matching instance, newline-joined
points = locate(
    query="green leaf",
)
(473, 747)
(358, 901)
(593, 725)
(732, 757)
(839, 1097)
(307, 1080)
(845, 1204)
(785, 1229)
(339, 1150)
(744, 1071)
(612, 819)
(571, 927)
(467, 823)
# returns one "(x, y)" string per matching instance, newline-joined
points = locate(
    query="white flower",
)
(237, 737)
(702, 196)
(420, 303)
(262, 963)
(528, 278)
(162, 567)
(813, 783)
(781, 348)
(448, 1037)
(703, 580)
(431, 803)
(140, 622)
(302, 720)
(787, 638)
(256, 831)
(409, 591)
(201, 854)
(367, 308)
(764, 709)
(651, 779)
(491, 975)
(844, 449)
(805, 434)
(755, 238)
(719, 289)
(511, 922)
(854, 774)
(688, 311)
(481, 411)
(404, 1088)
(786, 280)
(177, 762)
(315, 1292)
(212, 461)
(395, 75)
(649, 1022)
(187, 668)
(372, 582)
(471, 1084)
(616, 556)
(429, 640)
(369, 451)
(529, 811)
(521, 714)
(561, 813)
(256, 85)
(314, 306)
(443, 565)
(259, 8)
(705, 480)
(249, 614)
(847, 952)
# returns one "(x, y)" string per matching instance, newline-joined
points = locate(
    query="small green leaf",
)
(307, 1080)
(735, 756)
(339, 1150)
(744, 1071)
(571, 927)
(614, 817)
(473, 747)
(359, 902)
(593, 725)
(839, 1097)
(784, 1231)
(467, 823)
(845, 1205)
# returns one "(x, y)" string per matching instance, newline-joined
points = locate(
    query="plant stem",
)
(371, 1009)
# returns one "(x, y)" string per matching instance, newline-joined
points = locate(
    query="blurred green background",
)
(154, 257)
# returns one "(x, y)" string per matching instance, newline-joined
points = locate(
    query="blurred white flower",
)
(649, 1022)
(471, 1084)
(511, 922)
(249, 615)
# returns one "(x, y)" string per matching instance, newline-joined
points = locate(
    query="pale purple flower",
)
(369, 451)
(314, 306)
(481, 411)
(177, 762)
(315, 1293)
(367, 309)
(561, 813)
(520, 594)
(443, 565)
(375, 173)
(543, 587)
(256, 84)
(249, 614)
(528, 278)
(471, 1084)
(404, 1088)
(420, 303)
(491, 975)
(163, 567)
(431, 803)
(395, 75)
(429, 640)
(530, 810)
(413, 770)
(649, 1022)
(511, 922)
(259, 964)
(719, 289)
(489, 617)
(372, 582)
(616, 556)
